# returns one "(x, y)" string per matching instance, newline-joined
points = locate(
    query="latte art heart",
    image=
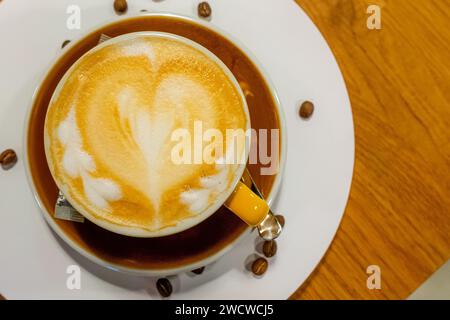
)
(108, 132)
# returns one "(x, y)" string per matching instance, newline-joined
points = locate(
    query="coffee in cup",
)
(110, 128)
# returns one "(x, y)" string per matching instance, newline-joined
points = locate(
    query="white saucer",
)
(313, 195)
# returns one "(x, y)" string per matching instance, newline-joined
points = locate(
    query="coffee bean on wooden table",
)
(270, 248)
(120, 6)
(306, 110)
(164, 287)
(199, 270)
(8, 159)
(259, 266)
(204, 9)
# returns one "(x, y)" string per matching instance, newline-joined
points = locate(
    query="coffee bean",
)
(306, 109)
(8, 159)
(280, 219)
(199, 270)
(65, 43)
(259, 266)
(204, 9)
(270, 248)
(121, 6)
(164, 287)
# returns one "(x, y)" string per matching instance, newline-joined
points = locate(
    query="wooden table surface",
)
(398, 79)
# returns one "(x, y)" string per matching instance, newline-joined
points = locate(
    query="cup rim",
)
(171, 270)
(187, 223)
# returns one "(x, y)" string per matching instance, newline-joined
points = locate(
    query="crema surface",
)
(109, 132)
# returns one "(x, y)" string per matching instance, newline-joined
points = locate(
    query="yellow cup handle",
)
(247, 205)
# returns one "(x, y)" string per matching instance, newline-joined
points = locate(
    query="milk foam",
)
(198, 199)
(140, 48)
(110, 128)
(77, 163)
(150, 132)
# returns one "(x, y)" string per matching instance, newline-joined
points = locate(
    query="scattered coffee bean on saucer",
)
(121, 6)
(199, 270)
(280, 219)
(204, 9)
(65, 43)
(306, 110)
(164, 287)
(143, 10)
(259, 266)
(270, 248)
(8, 159)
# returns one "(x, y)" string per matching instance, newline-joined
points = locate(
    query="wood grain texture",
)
(398, 214)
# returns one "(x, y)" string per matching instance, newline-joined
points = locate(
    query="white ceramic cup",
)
(185, 223)
(216, 255)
